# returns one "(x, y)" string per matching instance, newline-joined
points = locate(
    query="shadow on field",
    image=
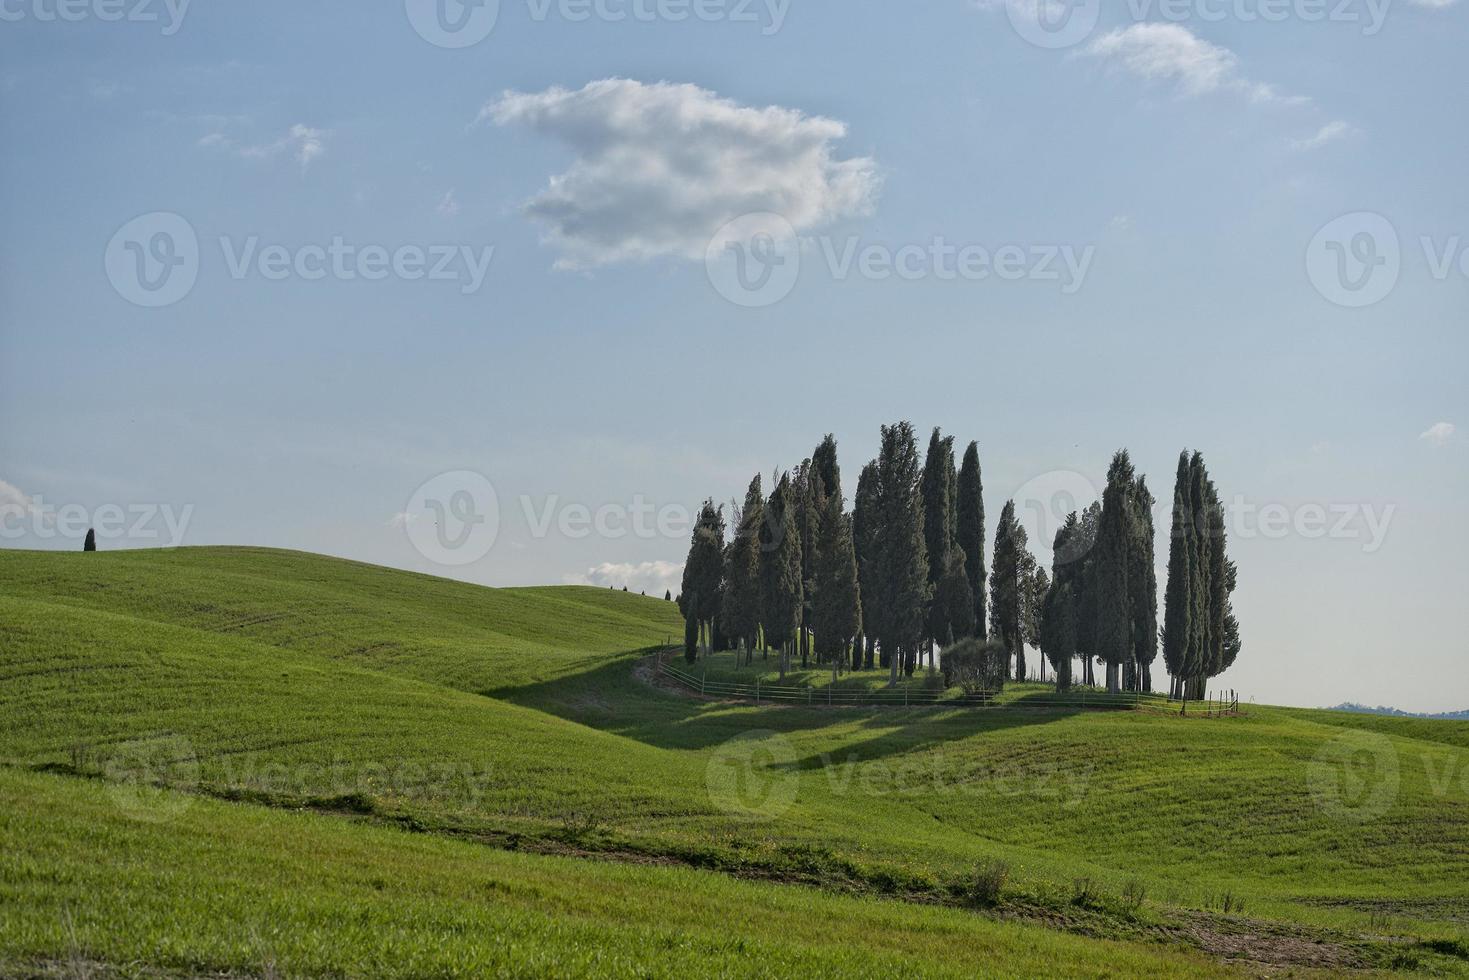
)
(608, 697)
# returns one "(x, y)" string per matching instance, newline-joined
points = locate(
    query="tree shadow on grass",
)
(607, 696)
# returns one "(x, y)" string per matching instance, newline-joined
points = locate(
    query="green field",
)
(251, 761)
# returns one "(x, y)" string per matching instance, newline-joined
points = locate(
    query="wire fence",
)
(1221, 705)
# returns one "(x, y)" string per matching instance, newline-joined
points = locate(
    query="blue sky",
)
(1229, 190)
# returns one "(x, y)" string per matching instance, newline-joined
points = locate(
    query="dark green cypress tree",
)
(936, 487)
(836, 606)
(969, 531)
(90, 544)
(741, 609)
(781, 594)
(1058, 630)
(1084, 585)
(1196, 661)
(1007, 583)
(1177, 607)
(824, 465)
(864, 523)
(1142, 581)
(704, 569)
(898, 561)
(1113, 597)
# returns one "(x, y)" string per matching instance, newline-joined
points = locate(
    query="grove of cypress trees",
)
(969, 531)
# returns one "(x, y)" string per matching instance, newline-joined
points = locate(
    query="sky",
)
(502, 291)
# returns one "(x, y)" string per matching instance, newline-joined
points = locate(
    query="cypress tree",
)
(969, 531)
(704, 570)
(1007, 583)
(741, 607)
(667, 595)
(1177, 599)
(824, 465)
(1196, 661)
(937, 487)
(90, 544)
(1142, 581)
(836, 606)
(1058, 630)
(897, 564)
(864, 518)
(781, 594)
(1114, 638)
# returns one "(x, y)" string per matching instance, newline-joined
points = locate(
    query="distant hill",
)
(1362, 709)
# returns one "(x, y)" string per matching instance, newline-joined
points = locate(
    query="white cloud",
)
(1173, 53)
(1434, 4)
(1439, 434)
(1329, 133)
(449, 206)
(304, 143)
(652, 577)
(661, 167)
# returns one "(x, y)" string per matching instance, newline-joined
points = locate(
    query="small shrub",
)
(1085, 892)
(1226, 902)
(988, 883)
(1134, 894)
(977, 666)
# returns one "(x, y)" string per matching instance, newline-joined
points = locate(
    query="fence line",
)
(1221, 705)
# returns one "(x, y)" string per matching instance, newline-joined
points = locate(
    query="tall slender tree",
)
(936, 486)
(864, 527)
(1058, 630)
(704, 571)
(1177, 607)
(836, 605)
(969, 531)
(781, 593)
(1008, 581)
(741, 608)
(895, 568)
(1113, 597)
(1142, 582)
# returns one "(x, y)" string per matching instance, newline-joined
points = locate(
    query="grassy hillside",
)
(516, 718)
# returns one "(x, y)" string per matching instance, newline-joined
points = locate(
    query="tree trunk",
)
(1113, 678)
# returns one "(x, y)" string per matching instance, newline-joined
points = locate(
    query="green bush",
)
(977, 666)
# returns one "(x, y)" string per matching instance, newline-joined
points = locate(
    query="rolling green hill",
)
(357, 750)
